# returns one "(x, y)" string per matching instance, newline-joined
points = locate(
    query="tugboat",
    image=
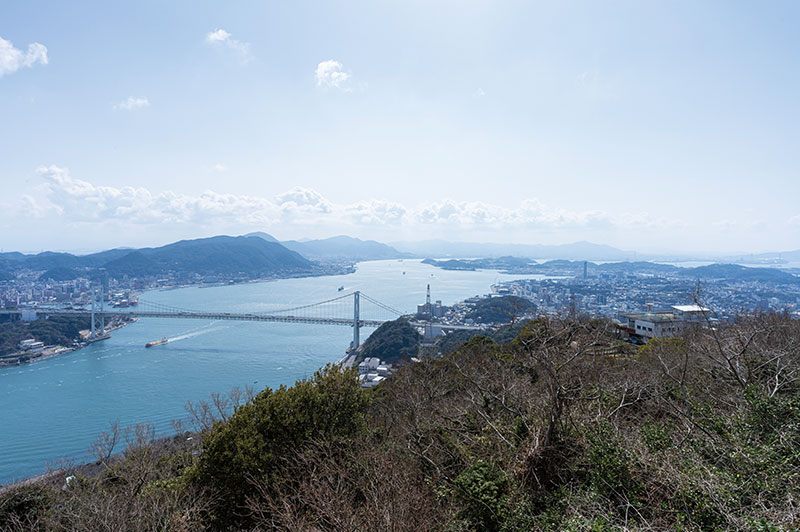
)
(159, 342)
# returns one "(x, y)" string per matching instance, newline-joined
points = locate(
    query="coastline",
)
(16, 359)
(334, 271)
(55, 350)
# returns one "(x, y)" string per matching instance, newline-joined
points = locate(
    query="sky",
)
(655, 126)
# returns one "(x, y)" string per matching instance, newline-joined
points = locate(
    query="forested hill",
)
(248, 257)
(224, 255)
(394, 342)
(58, 330)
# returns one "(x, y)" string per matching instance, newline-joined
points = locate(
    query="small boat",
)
(159, 342)
(341, 288)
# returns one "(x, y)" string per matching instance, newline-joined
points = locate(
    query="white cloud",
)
(479, 93)
(66, 206)
(220, 37)
(75, 201)
(12, 59)
(132, 103)
(219, 167)
(331, 74)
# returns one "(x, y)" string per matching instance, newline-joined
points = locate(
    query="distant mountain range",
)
(349, 248)
(566, 267)
(220, 255)
(260, 254)
(343, 248)
(577, 250)
(789, 256)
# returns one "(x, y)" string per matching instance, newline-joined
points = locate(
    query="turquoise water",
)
(55, 408)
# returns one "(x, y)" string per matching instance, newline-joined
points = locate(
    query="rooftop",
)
(690, 308)
(652, 316)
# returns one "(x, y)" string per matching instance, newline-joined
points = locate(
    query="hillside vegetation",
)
(58, 330)
(248, 257)
(559, 430)
(394, 342)
(502, 309)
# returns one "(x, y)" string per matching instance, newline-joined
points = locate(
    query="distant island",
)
(518, 265)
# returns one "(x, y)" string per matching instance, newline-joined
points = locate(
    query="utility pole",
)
(356, 318)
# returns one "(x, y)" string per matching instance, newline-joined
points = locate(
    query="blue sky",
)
(654, 126)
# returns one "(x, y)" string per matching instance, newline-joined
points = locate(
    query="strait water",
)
(55, 408)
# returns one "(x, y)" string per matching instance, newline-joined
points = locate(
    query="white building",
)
(664, 324)
(31, 345)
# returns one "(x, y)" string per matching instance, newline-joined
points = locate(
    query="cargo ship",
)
(159, 342)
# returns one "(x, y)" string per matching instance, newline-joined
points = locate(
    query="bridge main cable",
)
(169, 308)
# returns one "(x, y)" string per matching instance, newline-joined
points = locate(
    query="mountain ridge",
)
(217, 255)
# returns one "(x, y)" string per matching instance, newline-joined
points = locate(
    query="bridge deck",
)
(231, 316)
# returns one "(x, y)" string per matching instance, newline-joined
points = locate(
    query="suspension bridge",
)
(364, 312)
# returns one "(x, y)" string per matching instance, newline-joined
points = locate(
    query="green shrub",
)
(610, 466)
(23, 505)
(254, 445)
(480, 490)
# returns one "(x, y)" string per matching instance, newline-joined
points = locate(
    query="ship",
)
(341, 288)
(158, 342)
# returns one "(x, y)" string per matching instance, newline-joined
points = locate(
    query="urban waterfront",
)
(55, 408)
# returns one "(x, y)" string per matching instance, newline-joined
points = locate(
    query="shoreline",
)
(345, 270)
(6, 360)
(57, 350)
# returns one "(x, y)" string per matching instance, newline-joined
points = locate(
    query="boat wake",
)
(195, 333)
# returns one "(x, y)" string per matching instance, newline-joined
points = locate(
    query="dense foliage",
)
(563, 429)
(503, 309)
(61, 274)
(253, 446)
(57, 330)
(454, 339)
(394, 342)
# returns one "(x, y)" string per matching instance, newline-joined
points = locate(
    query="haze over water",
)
(57, 407)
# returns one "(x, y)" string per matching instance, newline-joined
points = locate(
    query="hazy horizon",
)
(633, 252)
(655, 128)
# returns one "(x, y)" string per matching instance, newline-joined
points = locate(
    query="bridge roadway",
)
(233, 316)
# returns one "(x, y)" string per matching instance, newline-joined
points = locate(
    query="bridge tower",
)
(94, 301)
(95, 309)
(356, 318)
(102, 314)
(103, 290)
